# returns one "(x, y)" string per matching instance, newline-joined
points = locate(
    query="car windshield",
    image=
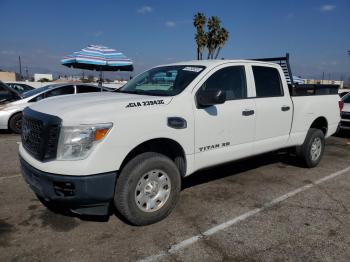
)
(162, 81)
(20, 87)
(37, 91)
(346, 98)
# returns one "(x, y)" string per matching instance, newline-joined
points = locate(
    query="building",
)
(325, 82)
(7, 76)
(38, 77)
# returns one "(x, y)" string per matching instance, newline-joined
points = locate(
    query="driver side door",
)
(225, 132)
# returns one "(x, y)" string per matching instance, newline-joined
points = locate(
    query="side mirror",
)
(210, 98)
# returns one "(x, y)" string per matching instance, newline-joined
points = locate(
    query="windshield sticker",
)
(193, 69)
(145, 103)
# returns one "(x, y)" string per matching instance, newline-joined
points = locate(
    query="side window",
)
(87, 89)
(64, 90)
(231, 79)
(267, 81)
(37, 98)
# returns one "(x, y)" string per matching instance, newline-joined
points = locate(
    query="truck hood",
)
(98, 107)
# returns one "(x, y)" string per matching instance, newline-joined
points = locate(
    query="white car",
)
(131, 148)
(345, 114)
(11, 112)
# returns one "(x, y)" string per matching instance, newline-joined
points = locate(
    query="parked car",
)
(345, 114)
(20, 87)
(132, 148)
(11, 111)
(341, 94)
(7, 94)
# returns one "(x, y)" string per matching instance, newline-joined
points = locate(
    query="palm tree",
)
(212, 36)
(199, 22)
(222, 37)
(201, 40)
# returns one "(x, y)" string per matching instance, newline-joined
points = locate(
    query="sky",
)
(315, 33)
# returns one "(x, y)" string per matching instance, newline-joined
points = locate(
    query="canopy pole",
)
(100, 80)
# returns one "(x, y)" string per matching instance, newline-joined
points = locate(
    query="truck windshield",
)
(162, 81)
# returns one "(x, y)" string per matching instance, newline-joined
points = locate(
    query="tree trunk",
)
(197, 53)
(217, 53)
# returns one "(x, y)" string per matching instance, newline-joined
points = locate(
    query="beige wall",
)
(7, 76)
(325, 82)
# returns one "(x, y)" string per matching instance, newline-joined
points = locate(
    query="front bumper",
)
(84, 195)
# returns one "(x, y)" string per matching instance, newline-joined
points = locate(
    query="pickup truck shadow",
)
(343, 134)
(240, 166)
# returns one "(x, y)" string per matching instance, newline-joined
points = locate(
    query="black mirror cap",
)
(210, 98)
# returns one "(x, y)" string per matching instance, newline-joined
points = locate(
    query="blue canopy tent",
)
(99, 58)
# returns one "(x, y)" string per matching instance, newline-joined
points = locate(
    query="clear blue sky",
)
(316, 33)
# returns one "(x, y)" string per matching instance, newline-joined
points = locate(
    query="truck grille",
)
(40, 134)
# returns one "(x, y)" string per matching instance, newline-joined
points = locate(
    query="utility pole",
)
(27, 75)
(322, 78)
(20, 68)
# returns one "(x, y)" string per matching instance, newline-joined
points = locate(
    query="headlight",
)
(76, 142)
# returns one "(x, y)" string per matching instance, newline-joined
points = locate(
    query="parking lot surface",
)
(265, 208)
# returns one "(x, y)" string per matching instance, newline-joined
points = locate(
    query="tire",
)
(15, 123)
(147, 189)
(311, 151)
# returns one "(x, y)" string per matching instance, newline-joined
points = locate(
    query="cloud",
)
(327, 8)
(170, 24)
(145, 9)
(7, 52)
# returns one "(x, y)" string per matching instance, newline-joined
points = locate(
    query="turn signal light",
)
(101, 133)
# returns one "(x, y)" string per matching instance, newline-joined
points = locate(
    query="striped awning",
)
(97, 57)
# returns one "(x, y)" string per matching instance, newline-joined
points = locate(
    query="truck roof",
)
(219, 62)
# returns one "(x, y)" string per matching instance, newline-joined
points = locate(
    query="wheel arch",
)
(166, 146)
(11, 116)
(320, 123)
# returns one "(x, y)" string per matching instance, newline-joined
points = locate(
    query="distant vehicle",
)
(21, 88)
(345, 114)
(343, 93)
(8, 94)
(132, 148)
(298, 80)
(11, 107)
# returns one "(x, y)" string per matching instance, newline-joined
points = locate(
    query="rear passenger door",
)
(273, 109)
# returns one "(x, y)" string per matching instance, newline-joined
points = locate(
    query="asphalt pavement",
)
(265, 208)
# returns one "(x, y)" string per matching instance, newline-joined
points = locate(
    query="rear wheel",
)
(147, 189)
(15, 123)
(311, 151)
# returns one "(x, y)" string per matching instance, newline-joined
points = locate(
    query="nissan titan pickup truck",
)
(131, 148)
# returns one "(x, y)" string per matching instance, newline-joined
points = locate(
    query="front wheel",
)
(15, 123)
(147, 189)
(311, 151)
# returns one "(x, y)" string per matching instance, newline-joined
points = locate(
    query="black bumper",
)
(84, 195)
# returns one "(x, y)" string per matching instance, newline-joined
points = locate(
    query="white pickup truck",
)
(132, 148)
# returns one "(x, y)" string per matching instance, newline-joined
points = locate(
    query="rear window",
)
(87, 89)
(267, 81)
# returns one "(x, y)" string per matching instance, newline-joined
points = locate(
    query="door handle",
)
(285, 108)
(248, 112)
